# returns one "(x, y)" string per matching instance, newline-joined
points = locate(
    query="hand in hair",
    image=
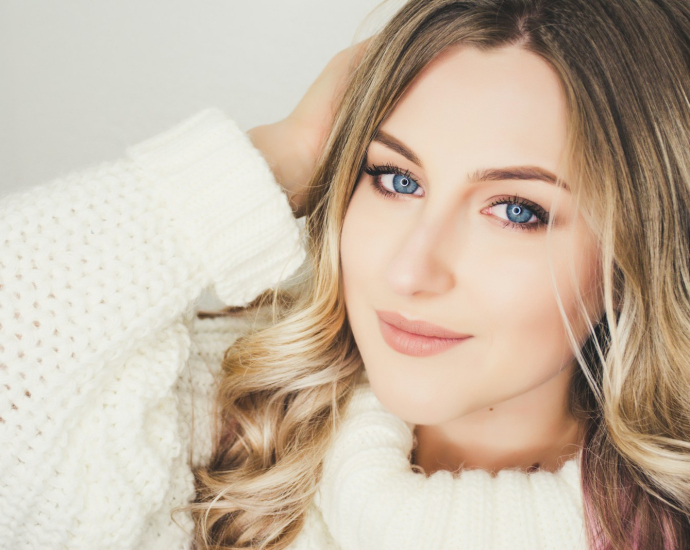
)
(292, 145)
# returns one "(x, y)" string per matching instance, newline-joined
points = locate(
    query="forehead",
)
(504, 106)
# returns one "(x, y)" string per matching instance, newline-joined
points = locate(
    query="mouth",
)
(415, 344)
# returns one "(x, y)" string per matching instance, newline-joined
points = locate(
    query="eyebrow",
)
(482, 174)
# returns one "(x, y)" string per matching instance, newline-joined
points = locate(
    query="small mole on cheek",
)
(491, 408)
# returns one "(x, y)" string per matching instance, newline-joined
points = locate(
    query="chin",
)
(412, 404)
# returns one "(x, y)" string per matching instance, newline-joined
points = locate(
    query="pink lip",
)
(395, 331)
(417, 327)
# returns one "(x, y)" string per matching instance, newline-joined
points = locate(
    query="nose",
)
(424, 262)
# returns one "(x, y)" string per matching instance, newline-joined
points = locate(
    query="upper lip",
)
(418, 327)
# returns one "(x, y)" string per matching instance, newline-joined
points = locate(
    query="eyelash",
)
(379, 170)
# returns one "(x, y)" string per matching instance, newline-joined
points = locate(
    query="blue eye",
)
(521, 213)
(518, 214)
(402, 182)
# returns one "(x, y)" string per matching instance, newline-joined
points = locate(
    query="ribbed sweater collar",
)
(370, 497)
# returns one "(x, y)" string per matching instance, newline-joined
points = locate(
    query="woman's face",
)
(468, 255)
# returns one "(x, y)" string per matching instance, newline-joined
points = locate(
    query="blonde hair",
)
(624, 68)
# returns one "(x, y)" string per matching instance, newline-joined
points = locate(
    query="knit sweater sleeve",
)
(96, 270)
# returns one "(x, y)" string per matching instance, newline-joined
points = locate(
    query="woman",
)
(590, 93)
(489, 327)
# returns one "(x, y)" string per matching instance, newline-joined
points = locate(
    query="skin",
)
(443, 255)
(292, 145)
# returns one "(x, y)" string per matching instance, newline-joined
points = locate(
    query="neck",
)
(370, 497)
(530, 431)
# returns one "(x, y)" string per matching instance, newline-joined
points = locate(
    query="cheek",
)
(520, 302)
(352, 257)
(363, 248)
(516, 296)
(516, 309)
(527, 326)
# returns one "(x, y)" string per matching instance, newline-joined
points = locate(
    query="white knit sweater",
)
(103, 364)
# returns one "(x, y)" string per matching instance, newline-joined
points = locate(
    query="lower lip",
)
(415, 344)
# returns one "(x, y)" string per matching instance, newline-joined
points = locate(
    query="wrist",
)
(279, 145)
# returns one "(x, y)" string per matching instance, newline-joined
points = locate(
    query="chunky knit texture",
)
(105, 369)
(370, 498)
(100, 360)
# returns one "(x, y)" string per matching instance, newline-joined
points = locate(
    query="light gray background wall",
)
(80, 80)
